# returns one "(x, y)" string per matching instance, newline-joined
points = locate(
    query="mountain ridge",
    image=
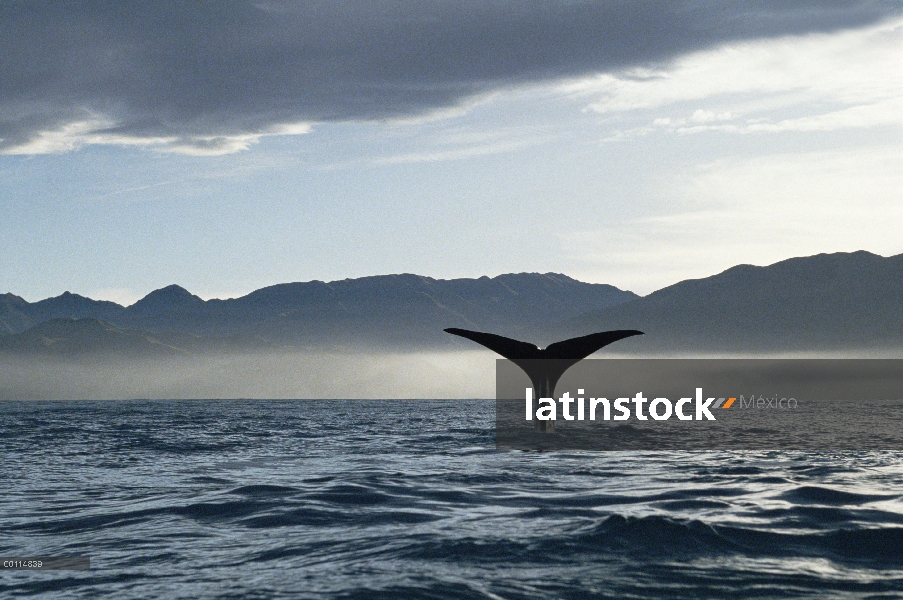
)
(822, 301)
(825, 301)
(391, 310)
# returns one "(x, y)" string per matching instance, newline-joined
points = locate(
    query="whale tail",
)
(545, 367)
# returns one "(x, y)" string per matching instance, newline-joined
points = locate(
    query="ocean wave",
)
(232, 500)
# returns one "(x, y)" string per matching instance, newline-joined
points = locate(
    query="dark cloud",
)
(199, 72)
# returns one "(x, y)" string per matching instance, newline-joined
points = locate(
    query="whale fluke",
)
(545, 367)
(510, 349)
(574, 349)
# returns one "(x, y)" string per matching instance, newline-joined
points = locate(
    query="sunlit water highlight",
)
(410, 499)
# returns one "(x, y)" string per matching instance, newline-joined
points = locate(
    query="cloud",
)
(74, 135)
(866, 115)
(462, 143)
(212, 78)
(799, 83)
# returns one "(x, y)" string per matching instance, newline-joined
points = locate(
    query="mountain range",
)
(841, 301)
(824, 302)
(381, 312)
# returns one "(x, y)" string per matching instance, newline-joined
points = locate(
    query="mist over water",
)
(427, 374)
(342, 374)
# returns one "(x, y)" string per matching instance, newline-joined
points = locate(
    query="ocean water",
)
(410, 499)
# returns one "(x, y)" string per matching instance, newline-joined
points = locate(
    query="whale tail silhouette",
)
(545, 366)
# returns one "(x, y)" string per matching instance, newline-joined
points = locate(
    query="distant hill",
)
(390, 311)
(824, 302)
(12, 317)
(84, 337)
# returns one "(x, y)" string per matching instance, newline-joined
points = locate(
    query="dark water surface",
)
(410, 499)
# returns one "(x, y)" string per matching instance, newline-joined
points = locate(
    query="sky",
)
(229, 146)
